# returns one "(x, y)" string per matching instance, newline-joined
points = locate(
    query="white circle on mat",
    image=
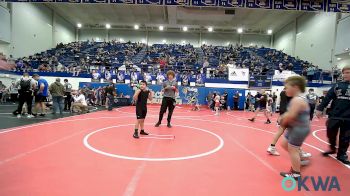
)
(217, 148)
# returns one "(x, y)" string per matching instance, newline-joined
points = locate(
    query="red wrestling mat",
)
(202, 154)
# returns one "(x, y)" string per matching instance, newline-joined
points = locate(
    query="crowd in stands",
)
(180, 58)
(84, 57)
(80, 57)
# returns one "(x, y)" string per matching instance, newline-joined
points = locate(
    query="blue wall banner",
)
(151, 2)
(265, 4)
(177, 2)
(231, 3)
(200, 79)
(95, 1)
(311, 5)
(335, 6)
(204, 3)
(286, 4)
(42, 1)
(303, 5)
(123, 1)
(68, 1)
(120, 76)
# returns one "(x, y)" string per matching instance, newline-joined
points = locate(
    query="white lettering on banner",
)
(283, 76)
(238, 74)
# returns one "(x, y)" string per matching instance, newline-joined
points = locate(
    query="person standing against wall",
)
(339, 116)
(225, 95)
(57, 91)
(312, 98)
(110, 94)
(247, 102)
(274, 99)
(68, 95)
(257, 100)
(236, 100)
(2, 89)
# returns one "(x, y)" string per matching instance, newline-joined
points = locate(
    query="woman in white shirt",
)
(79, 104)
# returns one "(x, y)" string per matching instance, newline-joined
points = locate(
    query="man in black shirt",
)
(261, 108)
(140, 99)
(235, 100)
(225, 98)
(284, 101)
(274, 99)
(339, 116)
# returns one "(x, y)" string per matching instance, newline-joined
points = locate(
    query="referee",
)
(168, 102)
(339, 116)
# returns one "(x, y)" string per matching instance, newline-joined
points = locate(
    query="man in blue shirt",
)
(41, 94)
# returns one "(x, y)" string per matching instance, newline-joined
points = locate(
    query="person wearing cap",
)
(339, 116)
(57, 91)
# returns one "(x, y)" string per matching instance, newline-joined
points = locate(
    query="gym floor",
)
(202, 154)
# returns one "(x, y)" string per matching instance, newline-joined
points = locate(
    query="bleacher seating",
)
(89, 55)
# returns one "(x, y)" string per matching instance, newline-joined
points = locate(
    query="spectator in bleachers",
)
(81, 57)
(206, 63)
(310, 73)
(60, 67)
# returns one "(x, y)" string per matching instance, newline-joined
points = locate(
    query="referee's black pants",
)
(312, 110)
(68, 101)
(333, 126)
(24, 97)
(167, 103)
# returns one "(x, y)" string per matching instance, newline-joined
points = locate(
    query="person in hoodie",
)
(339, 117)
(57, 91)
